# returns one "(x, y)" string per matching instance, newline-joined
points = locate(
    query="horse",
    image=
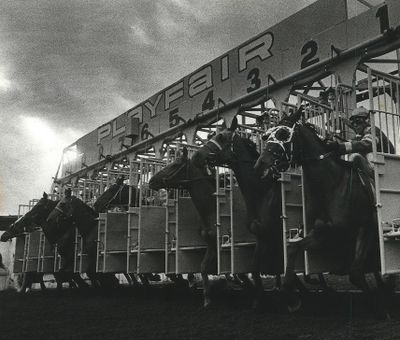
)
(340, 209)
(34, 220)
(263, 200)
(190, 174)
(70, 213)
(116, 195)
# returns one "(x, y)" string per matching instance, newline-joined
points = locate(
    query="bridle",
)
(62, 214)
(286, 146)
(280, 164)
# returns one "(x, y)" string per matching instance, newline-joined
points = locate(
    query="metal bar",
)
(177, 245)
(140, 214)
(376, 175)
(284, 222)
(218, 221)
(384, 61)
(304, 212)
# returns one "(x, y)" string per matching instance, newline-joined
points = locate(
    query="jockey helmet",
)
(359, 112)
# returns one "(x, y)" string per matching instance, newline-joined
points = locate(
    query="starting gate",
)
(133, 241)
(33, 253)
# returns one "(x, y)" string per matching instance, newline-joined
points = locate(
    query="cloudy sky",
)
(66, 67)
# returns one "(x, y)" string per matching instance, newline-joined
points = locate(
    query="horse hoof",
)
(207, 303)
(295, 307)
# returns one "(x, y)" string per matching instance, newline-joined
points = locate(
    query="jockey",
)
(360, 147)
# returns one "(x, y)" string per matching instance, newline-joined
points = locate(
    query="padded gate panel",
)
(389, 188)
(189, 224)
(152, 229)
(190, 260)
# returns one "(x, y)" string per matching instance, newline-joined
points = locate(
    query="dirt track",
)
(164, 312)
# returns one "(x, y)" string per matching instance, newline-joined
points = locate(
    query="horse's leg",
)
(291, 280)
(259, 289)
(144, 280)
(209, 263)
(206, 290)
(41, 281)
(59, 281)
(77, 278)
(278, 282)
(244, 281)
(357, 277)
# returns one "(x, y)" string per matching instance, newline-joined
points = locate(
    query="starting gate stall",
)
(89, 190)
(33, 253)
(133, 241)
(294, 223)
(383, 90)
(235, 243)
(328, 120)
(185, 247)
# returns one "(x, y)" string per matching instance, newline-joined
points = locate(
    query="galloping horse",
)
(35, 219)
(70, 213)
(190, 174)
(263, 201)
(340, 211)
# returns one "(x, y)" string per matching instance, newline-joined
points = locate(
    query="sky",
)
(66, 67)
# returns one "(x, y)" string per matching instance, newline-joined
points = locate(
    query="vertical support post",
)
(376, 175)
(284, 220)
(304, 212)
(177, 231)
(140, 186)
(232, 222)
(218, 220)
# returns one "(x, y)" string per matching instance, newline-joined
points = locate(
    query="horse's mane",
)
(86, 208)
(251, 147)
(316, 132)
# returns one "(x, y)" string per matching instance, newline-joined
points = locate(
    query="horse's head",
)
(61, 217)
(219, 149)
(173, 175)
(116, 194)
(227, 148)
(181, 173)
(289, 143)
(33, 219)
(71, 211)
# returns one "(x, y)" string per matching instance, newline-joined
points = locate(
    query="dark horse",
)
(116, 195)
(70, 213)
(263, 201)
(190, 174)
(340, 212)
(36, 219)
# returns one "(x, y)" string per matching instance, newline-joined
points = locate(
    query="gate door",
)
(186, 247)
(383, 90)
(146, 220)
(235, 243)
(292, 213)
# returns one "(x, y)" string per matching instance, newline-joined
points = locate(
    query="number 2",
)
(310, 50)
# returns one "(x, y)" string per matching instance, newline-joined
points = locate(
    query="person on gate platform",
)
(360, 147)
